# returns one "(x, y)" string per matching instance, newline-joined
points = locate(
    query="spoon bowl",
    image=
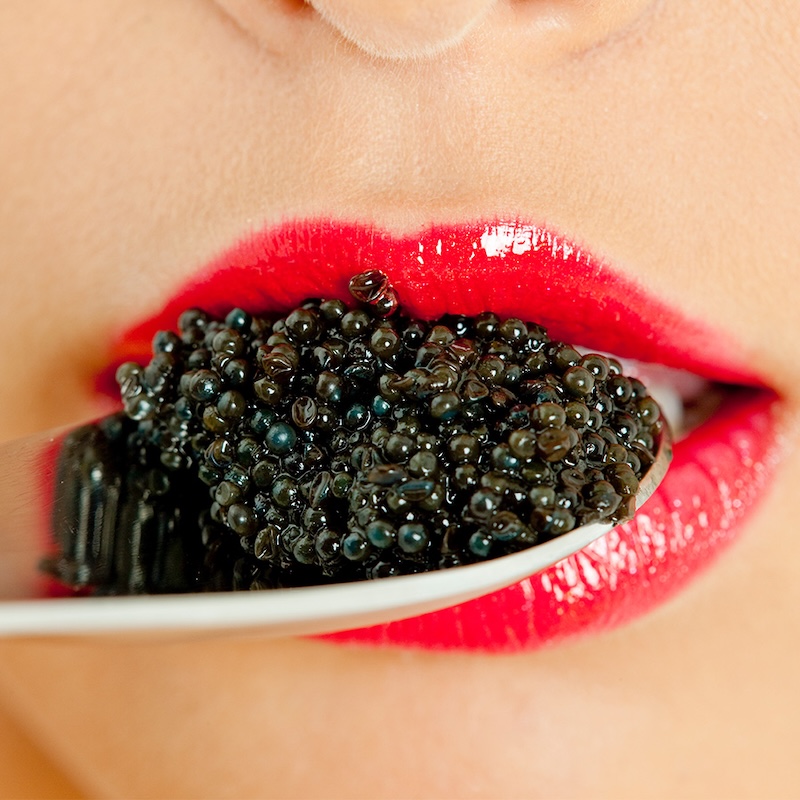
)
(26, 610)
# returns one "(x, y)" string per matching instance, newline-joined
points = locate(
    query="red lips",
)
(718, 474)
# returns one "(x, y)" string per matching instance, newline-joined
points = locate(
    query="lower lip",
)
(719, 474)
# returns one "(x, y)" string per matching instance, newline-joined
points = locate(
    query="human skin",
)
(142, 138)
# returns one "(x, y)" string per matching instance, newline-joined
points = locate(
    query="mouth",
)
(728, 422)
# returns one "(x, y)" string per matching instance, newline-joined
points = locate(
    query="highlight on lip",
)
(720, 468)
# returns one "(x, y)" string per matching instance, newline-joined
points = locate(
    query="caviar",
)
(337, 444)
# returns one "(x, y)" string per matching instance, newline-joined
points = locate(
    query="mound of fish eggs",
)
(338, 443)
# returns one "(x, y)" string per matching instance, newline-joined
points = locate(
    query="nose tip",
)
(402, 28)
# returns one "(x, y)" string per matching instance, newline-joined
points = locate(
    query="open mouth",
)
(728, 423)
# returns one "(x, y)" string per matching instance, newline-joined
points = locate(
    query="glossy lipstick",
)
(719, 472)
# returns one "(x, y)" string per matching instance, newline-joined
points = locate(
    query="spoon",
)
(26, 478)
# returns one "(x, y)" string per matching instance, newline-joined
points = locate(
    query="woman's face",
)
(141, 140)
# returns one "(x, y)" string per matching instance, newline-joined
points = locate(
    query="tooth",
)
(671, 407)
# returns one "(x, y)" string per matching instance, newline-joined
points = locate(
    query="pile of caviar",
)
(340, 443)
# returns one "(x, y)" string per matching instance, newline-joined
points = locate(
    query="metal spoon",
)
(26, 476)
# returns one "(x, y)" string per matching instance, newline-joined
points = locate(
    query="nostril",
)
(400, 29)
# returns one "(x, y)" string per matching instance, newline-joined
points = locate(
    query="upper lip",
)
(512, 269)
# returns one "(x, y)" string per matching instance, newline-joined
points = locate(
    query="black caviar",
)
(337, 443)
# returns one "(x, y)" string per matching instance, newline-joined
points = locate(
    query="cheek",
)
(88, 216)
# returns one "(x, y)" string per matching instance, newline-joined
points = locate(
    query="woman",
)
(143, 141)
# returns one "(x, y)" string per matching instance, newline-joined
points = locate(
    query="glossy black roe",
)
(338, 443)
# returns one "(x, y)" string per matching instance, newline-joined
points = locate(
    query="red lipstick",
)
(719, 471)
